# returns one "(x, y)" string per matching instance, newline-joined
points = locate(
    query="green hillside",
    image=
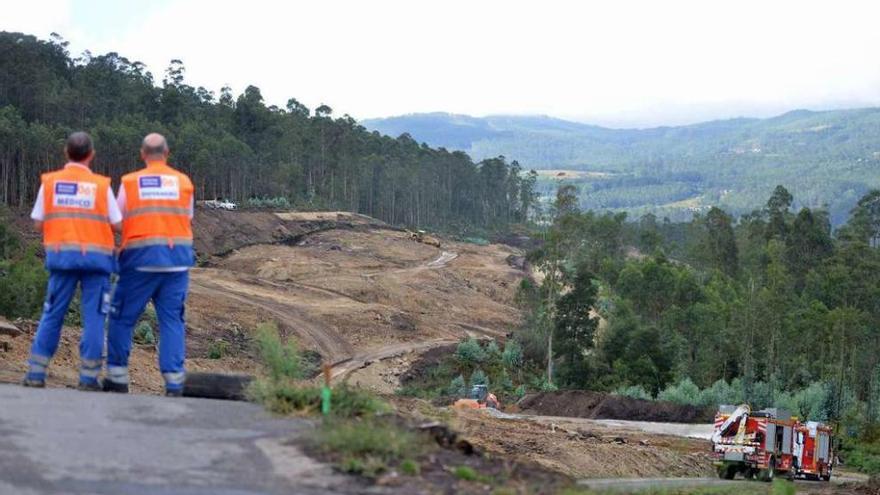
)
(825, 158)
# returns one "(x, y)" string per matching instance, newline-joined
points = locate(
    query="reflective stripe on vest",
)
(80, 216)
(160, 241)
(84, 248)
(164, 210)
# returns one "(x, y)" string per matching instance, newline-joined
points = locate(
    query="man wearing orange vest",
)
(76, 213)
(154, 261)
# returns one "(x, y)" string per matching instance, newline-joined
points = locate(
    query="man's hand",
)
(38, 225)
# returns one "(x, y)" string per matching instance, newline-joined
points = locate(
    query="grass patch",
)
(281, 360)
(465, 473)
(410, 467)
(283, 390)
(218, 349)
(370, 446)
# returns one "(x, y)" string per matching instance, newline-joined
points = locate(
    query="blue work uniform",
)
(156, 254)
(77, 209)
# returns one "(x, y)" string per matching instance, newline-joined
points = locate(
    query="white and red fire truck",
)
(770, 442)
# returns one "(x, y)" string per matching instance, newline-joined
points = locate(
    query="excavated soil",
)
(596, 405)
(577, 448)
(345, 286)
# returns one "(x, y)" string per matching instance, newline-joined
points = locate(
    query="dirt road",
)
(685, 430)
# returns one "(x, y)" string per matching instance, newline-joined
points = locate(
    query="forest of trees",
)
(235, 147)
(827, 159)
(773, 308)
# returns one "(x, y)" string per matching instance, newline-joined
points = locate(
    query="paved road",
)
(61, 441)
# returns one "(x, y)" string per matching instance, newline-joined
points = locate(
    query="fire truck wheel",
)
(769, 473)
(726, 471)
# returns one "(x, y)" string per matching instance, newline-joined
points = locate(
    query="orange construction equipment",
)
(480, 398)
(770, 442)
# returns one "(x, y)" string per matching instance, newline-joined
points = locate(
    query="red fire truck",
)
(770, 442)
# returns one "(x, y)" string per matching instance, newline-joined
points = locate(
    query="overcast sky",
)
(611, 62)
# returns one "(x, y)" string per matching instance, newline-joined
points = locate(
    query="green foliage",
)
(772, 309)
(512, 357)
(633, 391)
(465, 473)
(22, 276)
(277, 203)
(470, 353)
(288, 397)
(473, 362)
(457, 387)
(218, 349)
(410, 467)
(684, 392)
(478, 377)
(143, 334)
(825, 157)
(369, 447)
(282, 360)
(862, 456)
(239, 147)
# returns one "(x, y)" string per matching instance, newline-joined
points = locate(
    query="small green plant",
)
(282, 361)
(465, 473)
(409, 467)
(218, 349)
(457, 387)
(479, 378)
(469, 353)
(143, 334)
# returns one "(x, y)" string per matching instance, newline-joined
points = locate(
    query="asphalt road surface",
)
(61, 441)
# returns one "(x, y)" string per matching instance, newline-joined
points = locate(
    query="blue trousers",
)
(95, 303)
(168, 293)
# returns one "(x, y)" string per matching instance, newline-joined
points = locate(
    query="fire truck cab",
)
(770, 442)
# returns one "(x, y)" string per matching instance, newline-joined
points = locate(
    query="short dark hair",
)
(78, 146)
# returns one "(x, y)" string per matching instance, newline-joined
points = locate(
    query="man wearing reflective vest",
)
(76, 212)
(154, 261)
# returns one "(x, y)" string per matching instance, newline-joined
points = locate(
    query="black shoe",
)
(89, 386)
(174, 393)
(32, 383)
(111, 386)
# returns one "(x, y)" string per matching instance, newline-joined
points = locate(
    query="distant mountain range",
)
(826, 159)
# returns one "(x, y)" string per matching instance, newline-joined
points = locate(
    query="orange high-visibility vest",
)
(156, 229)
(76, 226)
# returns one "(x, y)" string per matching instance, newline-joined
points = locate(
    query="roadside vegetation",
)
(773, 308)
(22, 276)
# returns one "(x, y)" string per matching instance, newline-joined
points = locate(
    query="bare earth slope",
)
(347, 286)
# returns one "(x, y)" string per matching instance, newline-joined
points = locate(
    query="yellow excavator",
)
(479, 398)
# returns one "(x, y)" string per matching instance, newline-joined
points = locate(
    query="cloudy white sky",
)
(614, 62)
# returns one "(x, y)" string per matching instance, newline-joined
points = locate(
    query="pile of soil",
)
(597, 405)
(219, 232)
